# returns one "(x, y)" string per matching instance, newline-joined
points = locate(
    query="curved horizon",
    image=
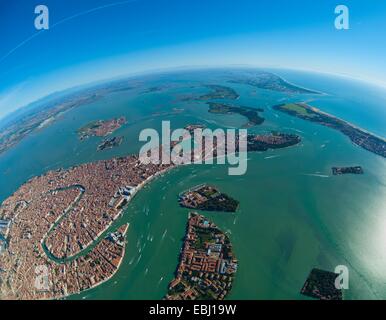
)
(181, 68)
(102, 39)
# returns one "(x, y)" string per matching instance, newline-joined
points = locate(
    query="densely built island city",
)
(60, 218)
(53, 219)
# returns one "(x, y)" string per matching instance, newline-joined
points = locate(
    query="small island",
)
(110, 143)
(274, 140)
(320, 284)
(347, 170)
(100, 128)
(358, 136)
(207, 264)
(219, 92)
(206, 197)
(44, 112)
(250, 113)
(157, 88)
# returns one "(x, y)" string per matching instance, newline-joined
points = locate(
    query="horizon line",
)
(381, 85)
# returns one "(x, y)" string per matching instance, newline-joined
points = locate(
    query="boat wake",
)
(316, 175)
(272, 157)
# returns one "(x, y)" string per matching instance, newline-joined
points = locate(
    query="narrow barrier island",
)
(270, 81)
(358, 136)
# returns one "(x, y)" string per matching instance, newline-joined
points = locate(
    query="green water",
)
(293, 215)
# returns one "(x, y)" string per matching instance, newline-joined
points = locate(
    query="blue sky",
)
(91, 40)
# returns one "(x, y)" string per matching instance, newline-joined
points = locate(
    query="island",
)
(100, 128)
(251, 114)
(347, 170)
(110, 143)
(207, 264)
(273, 140)
(157, 88)
(44, 112)
(59, 220)
(320, 284)
(208, 198)
(40, 114)
(358, 136)
(219, 92)
(270, 81)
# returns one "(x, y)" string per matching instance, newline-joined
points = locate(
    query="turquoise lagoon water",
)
(293, 214)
